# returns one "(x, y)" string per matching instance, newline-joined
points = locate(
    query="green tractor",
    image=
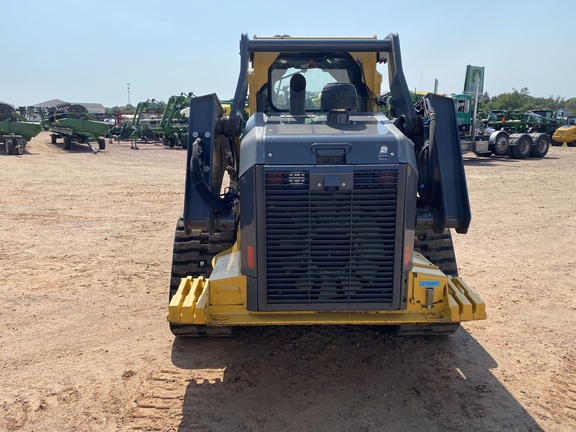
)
(15, 131)
(73, 123)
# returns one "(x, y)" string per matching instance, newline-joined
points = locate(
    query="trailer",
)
(516, 121)
(73, 124)
(483, 140)
(15, 131)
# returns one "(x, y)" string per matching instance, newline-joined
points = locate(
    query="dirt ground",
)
(85, 256)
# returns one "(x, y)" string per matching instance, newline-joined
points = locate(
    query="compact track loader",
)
(319, 209)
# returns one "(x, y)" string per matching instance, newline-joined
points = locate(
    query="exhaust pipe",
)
(298, 95)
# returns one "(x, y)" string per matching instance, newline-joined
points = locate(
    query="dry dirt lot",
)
(85, 257)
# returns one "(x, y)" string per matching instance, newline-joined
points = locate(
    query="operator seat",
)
(338, 99)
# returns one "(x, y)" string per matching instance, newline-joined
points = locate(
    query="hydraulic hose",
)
(425, 166)
(221, 203)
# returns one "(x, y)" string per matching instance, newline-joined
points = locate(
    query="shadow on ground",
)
(344, 379)
(499, 160)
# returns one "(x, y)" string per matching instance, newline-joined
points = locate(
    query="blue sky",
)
(82, 51)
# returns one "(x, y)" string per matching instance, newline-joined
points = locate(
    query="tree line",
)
(522, 101)
(515, 100)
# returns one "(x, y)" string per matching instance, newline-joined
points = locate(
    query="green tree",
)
(570, 105)
(516, 100)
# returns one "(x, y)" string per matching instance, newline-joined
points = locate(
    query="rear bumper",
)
(221, 301)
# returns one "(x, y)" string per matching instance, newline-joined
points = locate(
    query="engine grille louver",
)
(332, 248)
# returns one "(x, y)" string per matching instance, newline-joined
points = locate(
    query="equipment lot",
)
(85, 253)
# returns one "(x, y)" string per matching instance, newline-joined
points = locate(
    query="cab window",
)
(318, 70)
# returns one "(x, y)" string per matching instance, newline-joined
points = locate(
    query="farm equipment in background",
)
(319, 209)
(73, 124)
(141, 126)
(145, 121)
(120, 132)
(15, 130)
(566, 133)
(35, 114)
(515, 137)
(173, 127)
(515, 121)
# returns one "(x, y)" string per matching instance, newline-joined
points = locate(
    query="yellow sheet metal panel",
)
(227, 284)
(419, 262)
(372, 76)
(221, 302)
(426, 278)
(226, 265)
(238, 316)
(565, 134)
(251, 92)
(452, 309)
(175, 306)
(478, 305)
(201, 311)
(466, 313)
(420, 295)
(228, 292)
(189, 304)
(259, 75)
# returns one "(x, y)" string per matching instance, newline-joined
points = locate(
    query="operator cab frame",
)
(318, 70)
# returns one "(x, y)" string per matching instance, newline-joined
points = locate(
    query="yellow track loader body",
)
(319, 209)
(433, 298)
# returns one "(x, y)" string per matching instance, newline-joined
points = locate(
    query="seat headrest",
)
(338, 96)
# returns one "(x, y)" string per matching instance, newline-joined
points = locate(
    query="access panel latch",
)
(330, 154)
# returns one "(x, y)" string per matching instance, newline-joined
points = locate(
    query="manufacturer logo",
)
(383, 154)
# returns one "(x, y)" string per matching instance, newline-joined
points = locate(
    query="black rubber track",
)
(440, 329)
(192, 256)
(438, 249)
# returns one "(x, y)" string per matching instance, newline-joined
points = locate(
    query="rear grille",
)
(332, 248)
